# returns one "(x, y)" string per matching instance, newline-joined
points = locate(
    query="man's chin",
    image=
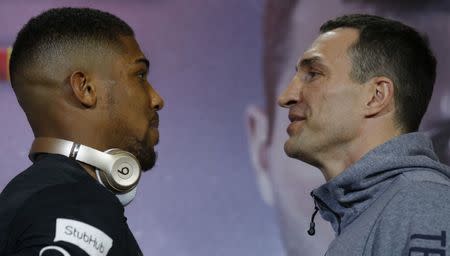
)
(148, 159)
(298, 151)
(291, 148)
(146, 156)
(146, 153)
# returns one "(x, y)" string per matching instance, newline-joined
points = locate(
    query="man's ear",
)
(380, 98)
(258, 139)
(83, 90)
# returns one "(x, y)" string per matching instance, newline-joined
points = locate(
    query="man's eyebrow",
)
(143, 60)
(308, 62)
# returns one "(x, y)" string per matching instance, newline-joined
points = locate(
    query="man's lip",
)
(296, 117)
(154, 122)
(294, 126)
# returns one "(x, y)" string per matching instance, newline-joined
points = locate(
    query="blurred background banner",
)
(219, 66)
(5, 53)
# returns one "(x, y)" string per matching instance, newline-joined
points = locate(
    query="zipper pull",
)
(312, 225)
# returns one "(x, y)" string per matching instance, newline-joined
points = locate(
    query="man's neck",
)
(337, 161)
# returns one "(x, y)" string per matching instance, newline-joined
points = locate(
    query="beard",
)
(142, 147)
(143, 151)
(147, 158)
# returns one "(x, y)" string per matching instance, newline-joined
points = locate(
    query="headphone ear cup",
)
(124, 174)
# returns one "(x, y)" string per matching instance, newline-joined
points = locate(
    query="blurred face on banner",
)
(286, 183)
(436, 122)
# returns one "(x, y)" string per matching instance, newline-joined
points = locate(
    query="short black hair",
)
(55, 30)
(390, 48)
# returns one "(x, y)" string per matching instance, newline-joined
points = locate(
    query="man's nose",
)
(291, 95)
(157, 102)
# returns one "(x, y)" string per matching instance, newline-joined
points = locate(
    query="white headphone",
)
(118, 170)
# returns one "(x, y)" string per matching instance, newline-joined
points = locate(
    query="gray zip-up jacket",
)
(394, 201)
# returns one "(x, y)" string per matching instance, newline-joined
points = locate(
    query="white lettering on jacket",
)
(89, 238)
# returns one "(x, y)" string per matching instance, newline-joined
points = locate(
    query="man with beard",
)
(355, 104)
(80, 77)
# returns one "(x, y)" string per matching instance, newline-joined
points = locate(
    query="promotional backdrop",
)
(209, 194)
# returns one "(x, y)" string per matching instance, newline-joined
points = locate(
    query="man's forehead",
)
(328, 45)
(132, 53)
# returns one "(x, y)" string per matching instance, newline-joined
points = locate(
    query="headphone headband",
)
(72, 150)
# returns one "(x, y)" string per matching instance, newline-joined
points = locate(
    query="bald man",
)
(80, 77)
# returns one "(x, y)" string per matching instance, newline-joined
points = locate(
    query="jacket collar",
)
(346, 196)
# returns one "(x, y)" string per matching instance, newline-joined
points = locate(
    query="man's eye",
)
(142, 75)
(310, 75)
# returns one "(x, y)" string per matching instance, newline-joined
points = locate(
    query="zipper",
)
(312, 225)
(317, 203)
